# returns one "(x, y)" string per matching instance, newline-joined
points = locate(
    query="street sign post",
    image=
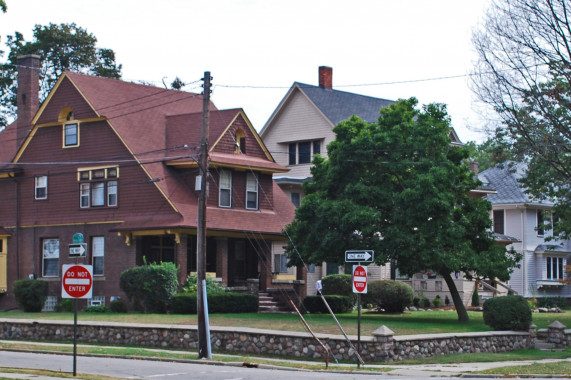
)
(76, 282)
(359, 256)
(359, 287)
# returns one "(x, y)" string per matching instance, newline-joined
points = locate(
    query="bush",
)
(338, 304)
(416, 301)
(437, 302)
(507, 313)
(446, 300)
(475, 298)
(65, 305)
(96, 309)
(117, 306)
(424, 302)
(389, 295)
(31, 294)
(151, 285)
(212, 285)
(337, 284)
(185, 303)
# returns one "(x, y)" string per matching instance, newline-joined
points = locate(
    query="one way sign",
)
(359, 256)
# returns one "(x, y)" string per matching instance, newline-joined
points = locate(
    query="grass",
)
(421, 322)
(559, 368)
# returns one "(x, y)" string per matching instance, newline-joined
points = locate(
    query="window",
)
(304, 149)
(251, 191)
(499, 221)
(438, 286)
(225, 189)
(50, 257)
(96, 301)
(540, 223)
(98, 252)
(292, 154)
(280, 263)
(98, 187)
(41, 187)
(295, 199)
(240, 141)
(555, 268)
(71, 134)
(301, 153)
(50, 304)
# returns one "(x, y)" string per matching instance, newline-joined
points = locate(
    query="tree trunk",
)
(460, 308)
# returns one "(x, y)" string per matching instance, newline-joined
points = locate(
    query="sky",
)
(256, 49)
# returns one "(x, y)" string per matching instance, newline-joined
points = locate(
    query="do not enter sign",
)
(359, 279)
(77, 281)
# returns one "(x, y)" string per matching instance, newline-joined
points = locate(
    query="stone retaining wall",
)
(381, 347)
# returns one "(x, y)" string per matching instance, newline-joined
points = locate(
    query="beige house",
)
(302, 126)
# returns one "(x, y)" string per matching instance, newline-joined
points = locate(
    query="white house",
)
(518, 215)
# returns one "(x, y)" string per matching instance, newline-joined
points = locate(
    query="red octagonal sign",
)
(359, 279)
(77, 281)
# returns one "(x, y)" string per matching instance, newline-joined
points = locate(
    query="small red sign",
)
(77, 281)
(359, 279)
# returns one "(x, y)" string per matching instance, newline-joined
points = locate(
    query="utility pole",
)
(203, 346)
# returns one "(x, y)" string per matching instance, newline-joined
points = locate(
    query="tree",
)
(489, 153)
(3, 6)
(524, 72)
(61, 47)
(398, 187)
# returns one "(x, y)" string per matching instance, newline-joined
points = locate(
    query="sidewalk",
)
(390, 369)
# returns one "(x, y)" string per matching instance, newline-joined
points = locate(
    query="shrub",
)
(389, 295)
(507, 313)
(185, 303)
(446, 300)
(337, 284)
(424, 302)
(338, 304)
(96, 309)
(475, 298)
(437, 302)
(117, 306)
(65, 305)
(212, 285)
(31, 294)
(416, 301)
(151, 285)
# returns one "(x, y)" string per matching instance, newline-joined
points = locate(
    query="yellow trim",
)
(58, 123)
(68, 224)
(3, 265)
(92, 168)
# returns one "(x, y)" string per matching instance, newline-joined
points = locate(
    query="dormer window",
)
(240, 140)
(70, 128)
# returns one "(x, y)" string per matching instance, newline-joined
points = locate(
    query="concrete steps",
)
(542, 344)
(267, 304)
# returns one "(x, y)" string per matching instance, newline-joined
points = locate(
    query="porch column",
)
(222, 259)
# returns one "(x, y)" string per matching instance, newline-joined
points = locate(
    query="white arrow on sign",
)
(358, 256)
(77, 249)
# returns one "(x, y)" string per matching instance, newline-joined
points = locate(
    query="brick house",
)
(117, 163)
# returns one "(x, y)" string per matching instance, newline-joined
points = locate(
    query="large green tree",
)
(398, 187)
(61, 47)
(524, 73)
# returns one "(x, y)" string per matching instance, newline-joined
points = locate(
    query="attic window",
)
(240, 141)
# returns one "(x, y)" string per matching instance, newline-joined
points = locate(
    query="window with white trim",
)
(498, 216)
(96, 301)
(98, 253)
(251, 191)
(98, 187)
(555, 268)
(225, 189)
(540, 223)
(50, 254)
(302, 152)
(41, 187)
(280, 263)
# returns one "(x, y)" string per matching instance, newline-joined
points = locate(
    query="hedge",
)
(507, 313)
(338, 304)
(228, 302)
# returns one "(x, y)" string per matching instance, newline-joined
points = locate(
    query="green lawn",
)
(420, 322)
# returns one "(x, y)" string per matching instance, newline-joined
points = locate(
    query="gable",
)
(229, 140)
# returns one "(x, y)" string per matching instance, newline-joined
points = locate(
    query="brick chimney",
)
(28, 100)
(325, 77)
(474, 167)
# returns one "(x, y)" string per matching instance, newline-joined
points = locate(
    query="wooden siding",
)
(298, 120)
(66, 96)
(97, 143)
(227, 144)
